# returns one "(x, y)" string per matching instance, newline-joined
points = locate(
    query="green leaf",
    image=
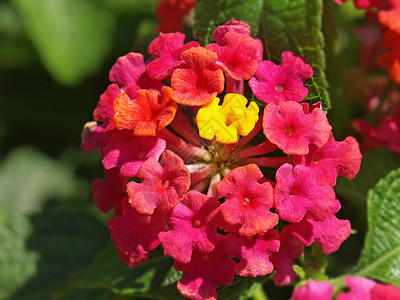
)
(156, 278)
(40, 243)
(28, 178)
(376, 164)
(72, 37)
(380, 258)
(283, 25)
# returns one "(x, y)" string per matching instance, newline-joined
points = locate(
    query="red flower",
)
(239, 56)
(247, 202)
(200, 81)
(204, 273)
(253, 252)
(163, 185)
(297, 194)
(292, 130)
(194, 225)
(147, 114)
(167, 50)
(134, 234)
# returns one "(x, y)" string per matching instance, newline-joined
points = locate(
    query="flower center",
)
(246, 200)
(279, 89)
(289, 130)
(196, 223)
(166, 183)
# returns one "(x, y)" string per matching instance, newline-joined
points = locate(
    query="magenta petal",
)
(329, 233)
(104, 111)
(272, 83)
(333, 159)
(167, 50)
(193, 225)
(248, 202)
(286, 125)
(240, 55)
(128, 152)
(314, 290)
(108, 193)
(231, 25)
(283, 261)
(385, 292)
(127, 70)
(253, 252)
(163, 185)
(297, 194)
(204, 273)
(135, 234)
(359, 288)
(93, 136)
(129, 73)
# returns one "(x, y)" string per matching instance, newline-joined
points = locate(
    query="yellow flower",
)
(227, 121)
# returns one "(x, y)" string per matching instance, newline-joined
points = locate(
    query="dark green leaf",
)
(380, 258)
(155, 278)
(72, 37)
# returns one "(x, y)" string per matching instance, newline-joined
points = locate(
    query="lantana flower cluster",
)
(226, 186)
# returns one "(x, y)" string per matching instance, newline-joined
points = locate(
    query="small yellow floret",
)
(228, 121)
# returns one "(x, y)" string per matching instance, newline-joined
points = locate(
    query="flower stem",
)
(260, 149)
(259, 294)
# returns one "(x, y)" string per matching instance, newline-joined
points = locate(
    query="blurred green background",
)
(55, 56)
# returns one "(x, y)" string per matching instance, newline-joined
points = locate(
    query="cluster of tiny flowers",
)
(183, 165)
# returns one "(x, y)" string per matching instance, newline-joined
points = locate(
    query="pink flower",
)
(194, 225)
(314, 290)
(297, 194)
(292, 130)
(93, 136)
(104, 111)
(163, 185)
(359, 288)
(128, 152)
(362, 3)
(272, 83)
(247, 202)
(129, 72)
(290, 249)
(385, 292)
(171, 14)
(329, 233)
(167, 50)
(204, 273)
(200, 81)
(108, 193)
(134, 234)
(229, 26)
(333, 159)
(253, 252)
(239, 56)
